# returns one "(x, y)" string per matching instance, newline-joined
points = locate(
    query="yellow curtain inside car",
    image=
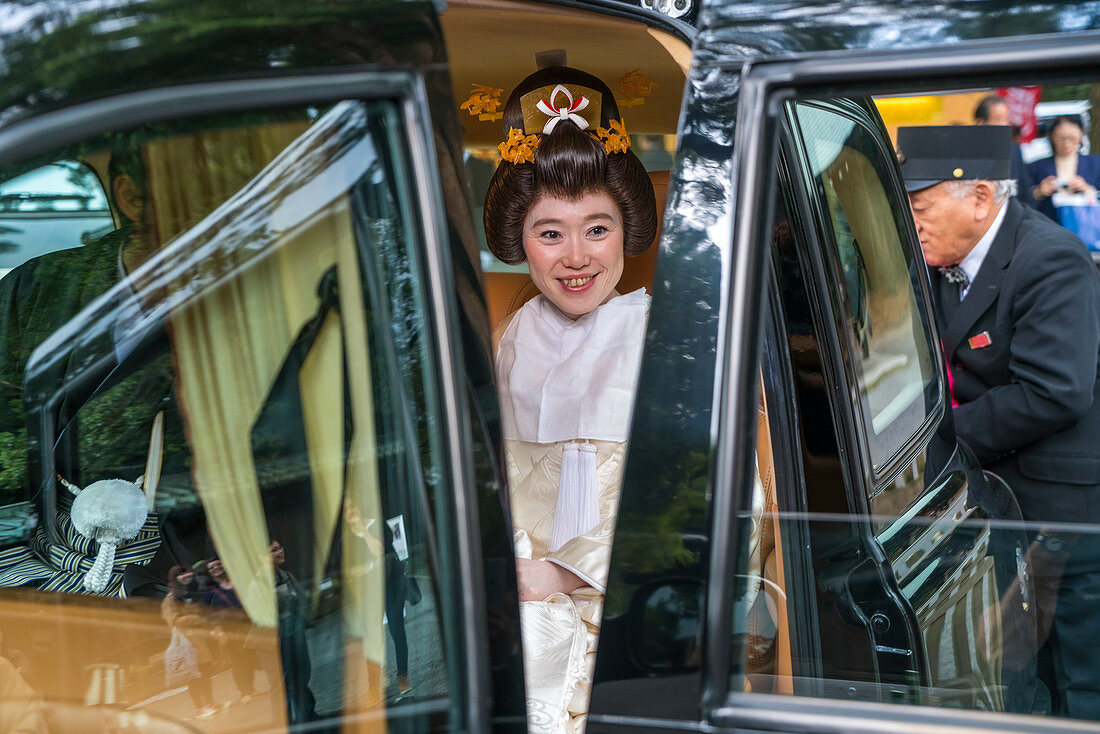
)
(230, 344)
(230, 338)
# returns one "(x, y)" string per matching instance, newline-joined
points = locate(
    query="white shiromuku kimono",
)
(567, 393)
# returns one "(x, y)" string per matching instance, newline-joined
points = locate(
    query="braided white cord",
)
(100, 573)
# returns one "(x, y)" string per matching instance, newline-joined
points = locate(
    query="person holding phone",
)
(1068, 170)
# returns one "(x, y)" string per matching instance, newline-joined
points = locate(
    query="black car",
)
(283, 343)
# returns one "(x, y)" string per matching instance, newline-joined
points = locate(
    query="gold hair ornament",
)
(483, 103)
(634, 87)
(545, 107)
(519, 148)
(615, 139)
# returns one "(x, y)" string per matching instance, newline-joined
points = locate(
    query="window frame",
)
(833, 288)
(784, 415)
(456, 520)
(766, 86)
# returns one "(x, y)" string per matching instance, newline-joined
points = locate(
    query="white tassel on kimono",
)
(577, 510)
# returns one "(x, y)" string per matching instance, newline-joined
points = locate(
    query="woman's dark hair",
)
(1074, 120)
(569, 163)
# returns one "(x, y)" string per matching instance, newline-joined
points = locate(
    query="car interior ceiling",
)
(605, 46)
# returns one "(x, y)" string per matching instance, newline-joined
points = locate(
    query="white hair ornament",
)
(565, 112)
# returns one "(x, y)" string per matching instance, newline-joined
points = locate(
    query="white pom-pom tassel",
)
(577, 510)
(99, 574)
(110, 511)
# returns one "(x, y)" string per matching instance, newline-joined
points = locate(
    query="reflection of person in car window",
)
(293, 648)
(181, 610)
(22, 710)
(42, 295)
(571, 199)
(222, 594)
(397, 585)
(106, 434)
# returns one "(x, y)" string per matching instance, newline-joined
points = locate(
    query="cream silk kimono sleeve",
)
(533, 471)
(560, 633)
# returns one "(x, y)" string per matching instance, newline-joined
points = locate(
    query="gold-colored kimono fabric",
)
(560, 633)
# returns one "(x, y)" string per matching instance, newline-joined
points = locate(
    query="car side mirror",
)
(666, 625)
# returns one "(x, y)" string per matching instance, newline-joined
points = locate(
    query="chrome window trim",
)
(50, 130)
(756, 148)
(453, 399)
(764, 712)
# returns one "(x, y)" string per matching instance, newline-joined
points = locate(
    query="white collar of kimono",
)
(561, 379)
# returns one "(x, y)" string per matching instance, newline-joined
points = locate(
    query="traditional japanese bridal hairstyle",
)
(564, 138)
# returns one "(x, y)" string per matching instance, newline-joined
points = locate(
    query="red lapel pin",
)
(979, 341)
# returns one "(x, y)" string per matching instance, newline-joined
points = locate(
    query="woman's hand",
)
(1046, 187)
(1079, 185)
(539, 579)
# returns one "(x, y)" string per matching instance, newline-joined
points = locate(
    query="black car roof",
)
(59, 53)
(56, 54)
(781, 27)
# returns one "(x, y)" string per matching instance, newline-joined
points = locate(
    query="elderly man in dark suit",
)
(1018, 310)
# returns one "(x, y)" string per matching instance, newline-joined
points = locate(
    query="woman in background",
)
(1067, 169)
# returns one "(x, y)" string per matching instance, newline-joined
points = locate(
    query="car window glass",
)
(229, 429)
(886, 323)
(933, 605)
(54, 207)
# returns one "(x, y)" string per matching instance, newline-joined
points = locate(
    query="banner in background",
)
(1021, 109)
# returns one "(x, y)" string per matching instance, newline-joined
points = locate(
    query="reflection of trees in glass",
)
(884, 316)
(36, 300)
(81, 177)
(114, 427)
(62, 186)
(673, 612)
(861, 214)
(397, 312)
(60, 46)
(192, 169)
(657, 540)
(827, 26)
(13, 465)
(661, 527)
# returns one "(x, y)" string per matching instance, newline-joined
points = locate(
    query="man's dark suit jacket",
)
(1088, 168)
(1029, 403)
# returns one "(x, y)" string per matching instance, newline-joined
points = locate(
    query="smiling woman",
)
(574, 250)
(572, 200)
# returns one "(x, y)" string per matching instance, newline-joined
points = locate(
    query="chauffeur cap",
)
(930, 154)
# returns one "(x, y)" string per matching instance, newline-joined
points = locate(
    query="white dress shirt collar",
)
(972, 263)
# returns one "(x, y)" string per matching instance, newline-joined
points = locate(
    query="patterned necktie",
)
(955, 274)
